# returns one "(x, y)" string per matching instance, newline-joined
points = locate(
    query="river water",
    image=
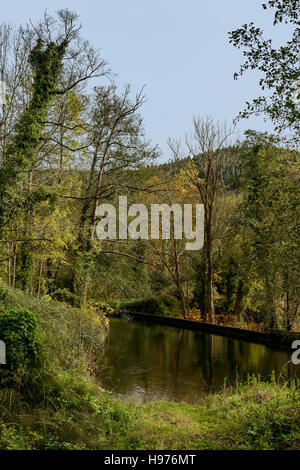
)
(145, 361)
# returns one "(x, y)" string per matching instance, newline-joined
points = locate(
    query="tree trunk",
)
(178, 281)
(238, 307)
(210, 308)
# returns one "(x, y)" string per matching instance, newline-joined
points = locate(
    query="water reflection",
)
(147, 362)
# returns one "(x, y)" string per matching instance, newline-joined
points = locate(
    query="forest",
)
(70, 140)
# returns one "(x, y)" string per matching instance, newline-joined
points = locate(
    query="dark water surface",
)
(148, 362)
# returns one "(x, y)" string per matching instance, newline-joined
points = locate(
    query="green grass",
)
(63, 408)
(79, 416)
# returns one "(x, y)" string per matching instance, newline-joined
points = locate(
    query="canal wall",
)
(276, 338)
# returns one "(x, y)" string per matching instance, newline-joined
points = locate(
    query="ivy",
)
(18, 329)
(46, 62)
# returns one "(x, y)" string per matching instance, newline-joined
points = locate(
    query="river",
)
(146, 361)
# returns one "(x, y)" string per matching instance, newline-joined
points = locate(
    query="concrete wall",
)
(276, 338)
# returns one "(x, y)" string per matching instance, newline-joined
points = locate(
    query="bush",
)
(106, 309)
(165, 305)
(64, 295)
(3, 293)
(18, 330)
(152, 305)
(170, 301)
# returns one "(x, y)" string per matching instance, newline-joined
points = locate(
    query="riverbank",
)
(62, 407)
(277, 338)
(79, 416)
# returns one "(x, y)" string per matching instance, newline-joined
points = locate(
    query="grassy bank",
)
(61, 407)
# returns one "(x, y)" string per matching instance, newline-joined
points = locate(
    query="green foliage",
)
(269, 423)
(64, 295)
(279, 67)
(70, 334)
(270, 213)
(165, 304)
(67, 410)
(107, 310)
(46, 63)
(152, 305)
(18, 329)
(3, 293)
(255, 274)
(79, 416)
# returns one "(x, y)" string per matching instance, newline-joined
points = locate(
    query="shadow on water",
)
(148, 362)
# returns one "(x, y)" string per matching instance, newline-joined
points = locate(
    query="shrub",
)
(152, 305)
(64, 295)
(170, 301)
(106, 309)
(3, 293)
(18, 330)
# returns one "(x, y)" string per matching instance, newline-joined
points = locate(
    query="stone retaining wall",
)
(276, 338)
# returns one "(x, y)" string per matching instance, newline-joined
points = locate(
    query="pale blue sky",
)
(178, 49)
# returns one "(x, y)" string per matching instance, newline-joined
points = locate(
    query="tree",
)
(210, 158)
(279, 67)
(270, 211)
(116, 143)
(170, 254)
(20, 153)
(48, 60)
(47, 67)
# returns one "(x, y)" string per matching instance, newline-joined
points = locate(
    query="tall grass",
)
(62, 407)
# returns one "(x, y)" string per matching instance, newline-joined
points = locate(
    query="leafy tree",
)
(46, 63)
(279, 67)
(271, 212)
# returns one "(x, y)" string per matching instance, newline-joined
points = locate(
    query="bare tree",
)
(81, 62)
(208, 148)
(117, 143)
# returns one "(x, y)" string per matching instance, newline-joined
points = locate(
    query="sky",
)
(178, 49)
